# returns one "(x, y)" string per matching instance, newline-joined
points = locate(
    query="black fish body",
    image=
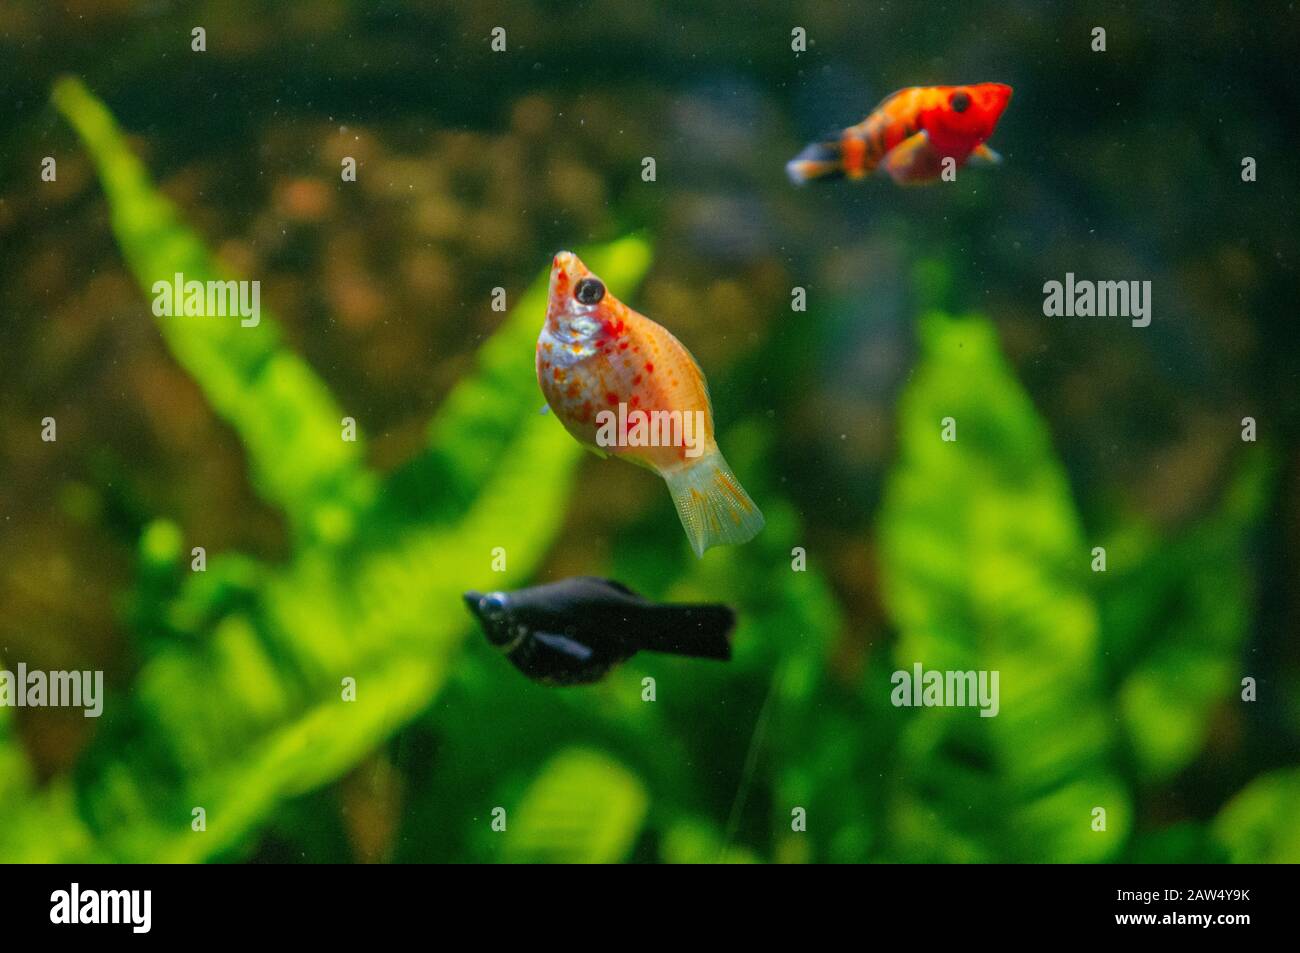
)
(573, 632)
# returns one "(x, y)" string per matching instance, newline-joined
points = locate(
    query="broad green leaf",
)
(287, 420)
(1183, 842)
(584, 807)
(1176, 614)
(253, 713)
(43, 827)
(245, 706)
(15, 772)
(696, 841)
(984, 570)
(35, 825)
(1261, 825)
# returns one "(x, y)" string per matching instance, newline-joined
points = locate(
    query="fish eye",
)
(589, 291)
(493, 604)
(960, 101)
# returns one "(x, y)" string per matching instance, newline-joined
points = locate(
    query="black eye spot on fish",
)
(589, 291)
(493, 604)
(960, 101)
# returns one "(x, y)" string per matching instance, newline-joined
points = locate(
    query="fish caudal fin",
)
(702, 631)
(713, 506)
(821, 160)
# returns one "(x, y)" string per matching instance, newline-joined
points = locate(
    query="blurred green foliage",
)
(582, 808)
(240, 702)
(1108, 680)
(986, 569)
(1261, 825)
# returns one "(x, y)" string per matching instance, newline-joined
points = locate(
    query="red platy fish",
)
(623, 386)
(909, 135)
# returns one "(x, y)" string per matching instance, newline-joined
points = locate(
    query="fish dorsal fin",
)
(609, 583)
(894, 95)
(677, 349)
(564, 645)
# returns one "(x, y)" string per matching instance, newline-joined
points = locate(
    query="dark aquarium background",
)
(329, 560)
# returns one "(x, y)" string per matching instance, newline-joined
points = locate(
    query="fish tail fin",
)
(701, 631)
(713, 506)
(821, 160)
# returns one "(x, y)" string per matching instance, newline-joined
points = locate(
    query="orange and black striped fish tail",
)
(821, 160)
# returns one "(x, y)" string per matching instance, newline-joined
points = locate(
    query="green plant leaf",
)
(1261, 825)
(288, 422)
(984, 569)
(15, 772)
(1176, 614)
(35, 825)
(253, 712)
(247, 709)
(696, 841)
(584, 807)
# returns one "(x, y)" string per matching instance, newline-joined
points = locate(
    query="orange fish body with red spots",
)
(909, 135)
(623, 386)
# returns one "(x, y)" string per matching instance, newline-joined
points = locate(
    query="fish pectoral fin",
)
(912, 160)
(564, 645)
(983, 155)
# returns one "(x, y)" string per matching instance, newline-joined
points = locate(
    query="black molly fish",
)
(573, 632)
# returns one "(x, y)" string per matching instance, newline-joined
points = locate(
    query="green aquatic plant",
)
(1176, 617)
(1110, 682)
(582, 808)
(36, 824)
(987, 567)
(1261, 825)
(243, 700)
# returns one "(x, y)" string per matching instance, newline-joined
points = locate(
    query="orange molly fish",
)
(623, 386)
(909, 135)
